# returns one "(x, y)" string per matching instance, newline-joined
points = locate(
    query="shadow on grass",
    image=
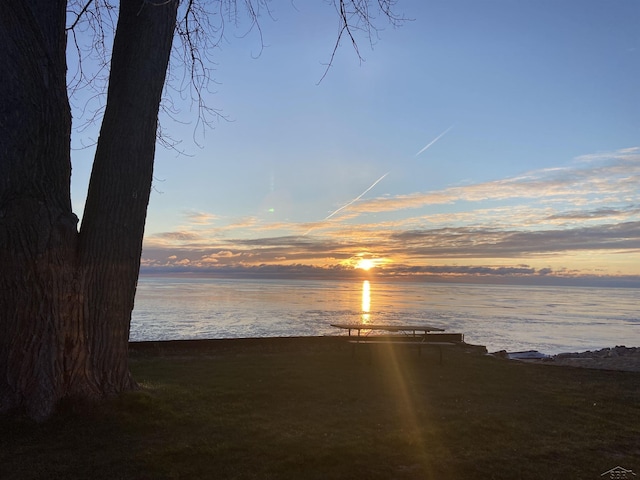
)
(325, 415)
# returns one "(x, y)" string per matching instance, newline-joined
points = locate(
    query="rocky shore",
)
(616, 358)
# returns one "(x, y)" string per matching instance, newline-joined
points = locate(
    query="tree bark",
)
(37, 227)
(66, 297)
(115, 211)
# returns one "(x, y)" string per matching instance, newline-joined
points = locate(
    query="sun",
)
(365, 264)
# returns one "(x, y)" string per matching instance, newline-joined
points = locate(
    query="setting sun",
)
(365, 264)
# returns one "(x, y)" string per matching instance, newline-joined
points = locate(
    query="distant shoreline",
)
(627, 281)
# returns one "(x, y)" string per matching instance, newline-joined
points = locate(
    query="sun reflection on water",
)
(366, 301)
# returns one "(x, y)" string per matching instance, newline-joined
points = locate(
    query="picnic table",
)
(415, 335)
(413, 330)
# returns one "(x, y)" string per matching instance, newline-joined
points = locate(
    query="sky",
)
(481, 141)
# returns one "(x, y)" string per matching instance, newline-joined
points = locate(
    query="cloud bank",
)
(580, 221)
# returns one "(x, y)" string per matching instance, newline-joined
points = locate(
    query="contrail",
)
(358, 197)
(434, 141)
(351, 202)
(380, 179)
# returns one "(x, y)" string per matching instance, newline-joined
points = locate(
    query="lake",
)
(501, 317)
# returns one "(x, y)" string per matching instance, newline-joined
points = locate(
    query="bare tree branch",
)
(200, 30)
(79, 15)
(355, 16)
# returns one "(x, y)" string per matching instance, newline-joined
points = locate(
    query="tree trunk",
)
(66, 298)
(116, 207)
(37, 227)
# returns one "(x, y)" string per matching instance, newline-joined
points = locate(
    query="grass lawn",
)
(318, 413)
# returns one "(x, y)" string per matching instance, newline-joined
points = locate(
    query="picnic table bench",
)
(419, 336)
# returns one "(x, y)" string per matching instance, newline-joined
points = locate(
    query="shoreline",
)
(235, 345)
(618, 358)
(256, 344)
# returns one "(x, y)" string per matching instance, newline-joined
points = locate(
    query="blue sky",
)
(537, 176)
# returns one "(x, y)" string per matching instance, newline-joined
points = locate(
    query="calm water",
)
(513, 318)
